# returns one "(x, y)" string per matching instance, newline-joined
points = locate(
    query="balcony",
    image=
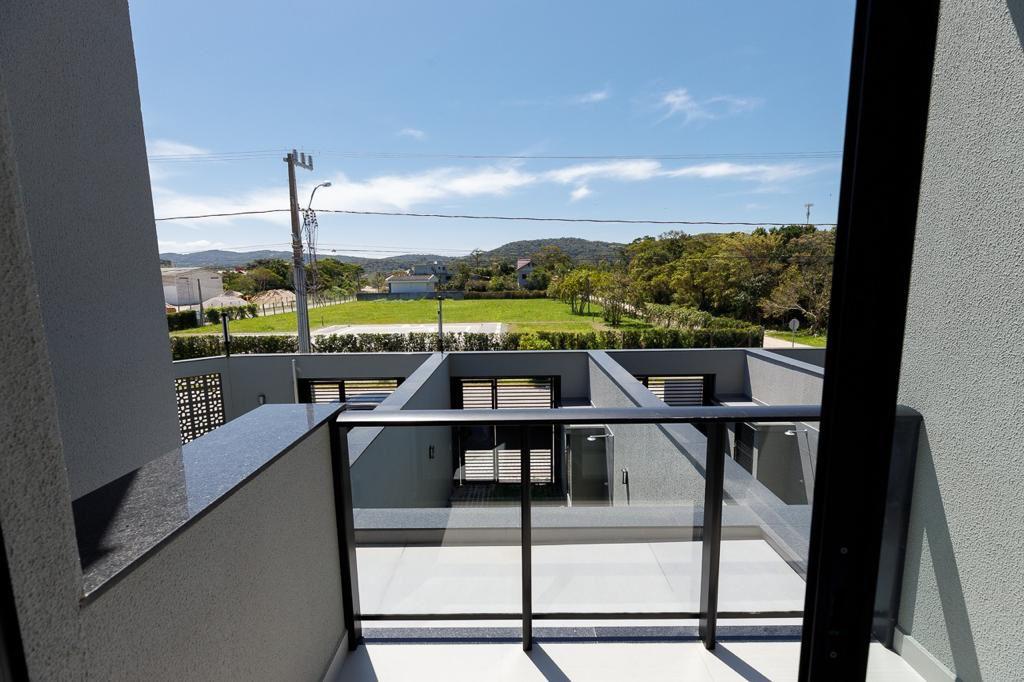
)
(651, 538)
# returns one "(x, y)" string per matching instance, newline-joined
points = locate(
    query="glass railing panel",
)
(622, 533)
(437, 522)
(768, 489)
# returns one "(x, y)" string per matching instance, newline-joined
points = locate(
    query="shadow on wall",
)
(932, 529)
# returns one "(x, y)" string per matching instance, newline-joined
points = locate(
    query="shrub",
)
(534, 342)
(213, 315)
(183, 319)
(184, 347)
(512, 293)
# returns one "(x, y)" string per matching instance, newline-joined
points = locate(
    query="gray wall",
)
(69, 75)
(660, 472)
(727, 364)
(570, 365)
(245, 377)
(35, 506)
(249, 592)
(963, 363)
(391, 466)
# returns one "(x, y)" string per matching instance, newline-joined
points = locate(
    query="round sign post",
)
(794, 324)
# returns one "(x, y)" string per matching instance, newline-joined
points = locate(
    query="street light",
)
(313, 193)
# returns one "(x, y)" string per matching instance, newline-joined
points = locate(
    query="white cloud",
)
(168, 203)
(414, 133)
(680, 103)
(404, 192)
(172, 148)
(628, 170)
(581, 192)
(592, 97)
(760, 172)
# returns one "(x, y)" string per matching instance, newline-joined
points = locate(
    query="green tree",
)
(805, 287)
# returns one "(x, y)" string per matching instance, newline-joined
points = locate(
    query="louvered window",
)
(491, 453)
(358, 393)
(676, 391)
(507, 393)
(200, 405)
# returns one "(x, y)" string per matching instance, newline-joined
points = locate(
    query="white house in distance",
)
(189, 286)
(439, 270)
(412, 284)
(524, 266)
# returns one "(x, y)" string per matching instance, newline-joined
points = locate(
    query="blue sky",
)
(730, 85)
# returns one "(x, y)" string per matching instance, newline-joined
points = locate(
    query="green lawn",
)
(530, 315)
(802, 336)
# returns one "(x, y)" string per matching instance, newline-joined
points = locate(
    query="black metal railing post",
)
(711, 536)
(346, 533)
(527, 539)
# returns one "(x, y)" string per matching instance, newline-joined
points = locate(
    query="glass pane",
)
(769, 483)
(623, 538)
(436, 531)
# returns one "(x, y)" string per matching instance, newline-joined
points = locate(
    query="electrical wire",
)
(453, 216)
(271, 153)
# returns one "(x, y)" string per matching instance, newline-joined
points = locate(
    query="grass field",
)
(802, 336)
(529, 315)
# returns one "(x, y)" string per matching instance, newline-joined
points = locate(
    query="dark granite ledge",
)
(128, 519)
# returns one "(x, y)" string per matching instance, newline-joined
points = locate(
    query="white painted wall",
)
(401, 286)
(76, 130)
(963, 364)
(183, 289)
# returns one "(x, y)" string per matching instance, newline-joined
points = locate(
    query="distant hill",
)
(583, 250)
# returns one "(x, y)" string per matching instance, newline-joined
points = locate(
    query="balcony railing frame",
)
(714, 418)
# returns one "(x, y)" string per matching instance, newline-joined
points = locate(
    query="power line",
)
(271, 153)
(454, 216)
(224, 215)
(626, 221)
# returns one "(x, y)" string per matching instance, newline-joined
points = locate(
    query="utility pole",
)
(808, 207)
(302, 312)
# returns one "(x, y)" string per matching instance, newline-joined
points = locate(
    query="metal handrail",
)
(586, 415)
(713, 417)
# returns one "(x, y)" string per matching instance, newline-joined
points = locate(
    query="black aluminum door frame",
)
(890, 83)
(12, 653)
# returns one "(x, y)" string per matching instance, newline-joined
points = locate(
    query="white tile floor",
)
(592, 661)
(657, 576)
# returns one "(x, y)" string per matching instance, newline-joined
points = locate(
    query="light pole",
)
(313, 193)
(440, 323)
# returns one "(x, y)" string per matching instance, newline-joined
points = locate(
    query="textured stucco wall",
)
(76, 125)
(963, 364)
(727, 364)
(245, 377)
(659, 471)
(570, 366)
(35, 508)
(250, 592)
(394, 469)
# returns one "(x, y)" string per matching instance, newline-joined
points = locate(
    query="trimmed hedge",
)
(515, 293)
(183, 319)
(185, 347)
